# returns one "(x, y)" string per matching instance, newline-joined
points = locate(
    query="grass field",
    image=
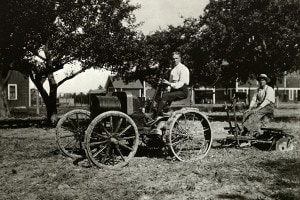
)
(32, 168)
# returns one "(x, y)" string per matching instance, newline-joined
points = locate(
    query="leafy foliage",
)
(155, 55)
(251, 37)
(233, 39)
(51, 35)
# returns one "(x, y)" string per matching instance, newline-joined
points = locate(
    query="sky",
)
(155, 15)
(160, 13)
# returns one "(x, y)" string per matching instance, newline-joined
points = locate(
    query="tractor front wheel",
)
(70, 132)
(111, 140)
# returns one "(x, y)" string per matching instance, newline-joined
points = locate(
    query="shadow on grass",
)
(287, 177)
(142, 151)
(150, 152)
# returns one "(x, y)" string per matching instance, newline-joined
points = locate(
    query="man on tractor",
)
(261, 105)
(176, 89)
(176, 85)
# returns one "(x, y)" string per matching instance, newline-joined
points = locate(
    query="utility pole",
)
(236, 84)
(37, 103)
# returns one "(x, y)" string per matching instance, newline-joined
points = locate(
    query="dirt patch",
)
(31, 167)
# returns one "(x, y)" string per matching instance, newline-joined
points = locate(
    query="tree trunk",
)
(49, 99)
(51, 103)
(4, 108)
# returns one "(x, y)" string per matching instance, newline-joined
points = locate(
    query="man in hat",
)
(262, 104)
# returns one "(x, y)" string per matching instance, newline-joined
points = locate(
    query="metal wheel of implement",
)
(70, 132)
(189, 136)
(111, 140)
(284, 144)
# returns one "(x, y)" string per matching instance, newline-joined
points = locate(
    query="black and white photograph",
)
(150, 99)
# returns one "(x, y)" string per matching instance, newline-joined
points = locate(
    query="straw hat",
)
(264, 76)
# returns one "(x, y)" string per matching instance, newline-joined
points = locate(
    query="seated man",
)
(177, 84)
(262, 104)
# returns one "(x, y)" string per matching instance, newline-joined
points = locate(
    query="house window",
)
(12, 92)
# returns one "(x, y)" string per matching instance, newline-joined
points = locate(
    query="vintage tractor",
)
(111, 132)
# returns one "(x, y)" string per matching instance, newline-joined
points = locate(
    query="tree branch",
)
(68, 61)
(70, 76)
(39, 85)
(5, 80)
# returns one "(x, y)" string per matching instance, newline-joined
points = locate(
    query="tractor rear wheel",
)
(189, 136)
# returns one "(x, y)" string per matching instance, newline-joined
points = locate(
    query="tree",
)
(4, 108)
(233, 39)
(244, 38)
(4, 77)
(55, 34)
(154, 59)
(100, 87)
(7, 54)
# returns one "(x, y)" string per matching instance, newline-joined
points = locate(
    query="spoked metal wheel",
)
(111, 140)
(284, 144)
(70, 131)
(189, 136)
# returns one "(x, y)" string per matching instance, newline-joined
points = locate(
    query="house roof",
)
(116, 82)
(98, 91)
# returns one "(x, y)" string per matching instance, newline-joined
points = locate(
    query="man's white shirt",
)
(263, 97)
(180, 75)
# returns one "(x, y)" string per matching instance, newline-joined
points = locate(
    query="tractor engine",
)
(118, 101)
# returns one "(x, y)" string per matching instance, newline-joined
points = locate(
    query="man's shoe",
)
(153, 121)
(148, 118)
(149, 122)
(245, 144)
(156, 131)
(167, 113)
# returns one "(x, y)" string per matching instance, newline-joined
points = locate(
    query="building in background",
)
(18, 91)
(115, 84)
(287, 89)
